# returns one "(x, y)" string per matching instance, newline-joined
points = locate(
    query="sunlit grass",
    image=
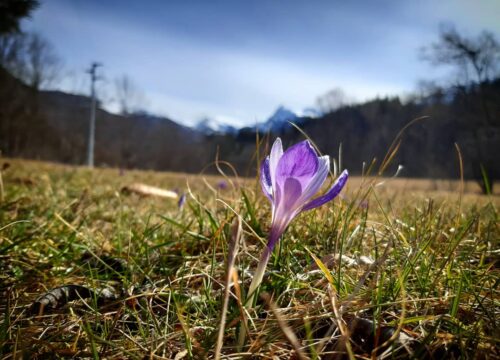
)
(420, 260)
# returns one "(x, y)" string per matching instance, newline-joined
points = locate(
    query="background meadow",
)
(411, 263)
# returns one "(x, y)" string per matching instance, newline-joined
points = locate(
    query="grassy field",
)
(406, 269)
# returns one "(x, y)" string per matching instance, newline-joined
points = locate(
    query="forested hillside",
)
(53, 126)
(427, 147)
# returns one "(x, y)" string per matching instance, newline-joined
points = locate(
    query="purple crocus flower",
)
(222, 185)
(290, 180)
(182, 201)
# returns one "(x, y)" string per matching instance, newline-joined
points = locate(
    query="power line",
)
(91, 142)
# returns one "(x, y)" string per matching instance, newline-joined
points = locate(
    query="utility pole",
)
(93, 78)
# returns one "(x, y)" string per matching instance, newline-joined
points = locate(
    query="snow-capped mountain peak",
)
(278, 120)
(212, 126)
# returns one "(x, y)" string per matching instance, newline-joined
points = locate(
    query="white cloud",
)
(187, 77)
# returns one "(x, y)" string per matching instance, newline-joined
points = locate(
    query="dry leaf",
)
(147, 190)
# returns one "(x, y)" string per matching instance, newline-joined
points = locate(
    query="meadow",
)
(394, 268)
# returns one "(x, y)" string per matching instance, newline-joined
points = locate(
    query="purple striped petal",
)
(330, 195)
(317, 181)
(292, 190)
(265, 179)
(299, 162)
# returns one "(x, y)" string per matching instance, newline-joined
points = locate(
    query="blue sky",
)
(237, 61)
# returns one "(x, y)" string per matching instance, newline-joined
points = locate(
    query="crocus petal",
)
(300, 162)
(317, 181)
(285, 205)
(293, 191)
(265, 179)
(274, 158)
(182, 201)
(332, 193)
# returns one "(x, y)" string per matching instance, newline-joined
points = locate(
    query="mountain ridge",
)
(53, 126)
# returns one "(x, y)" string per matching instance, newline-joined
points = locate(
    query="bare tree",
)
(12, 53)
(31, 58)
(479, 56)
(129, 97)
(42, 64)
(332, 100)
(477, 61)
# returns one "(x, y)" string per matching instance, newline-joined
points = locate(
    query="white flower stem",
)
(252, 291)
(258, 276)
